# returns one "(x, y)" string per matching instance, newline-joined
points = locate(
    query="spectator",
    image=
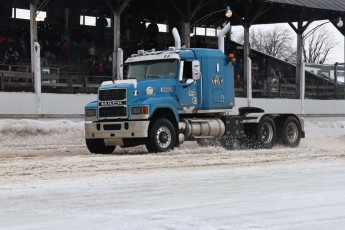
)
(2, 39)
(239, 71)
(48, 50)
(44, 61)
(55, 42)
(11, 56)
(108, 65)
(100, 65)
(22, 41)
(92, 50)
(45, 24)
(44, 30)
(65, 37)
(64, 50)
(92, 60)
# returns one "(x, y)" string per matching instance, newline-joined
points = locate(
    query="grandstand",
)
(79, 71)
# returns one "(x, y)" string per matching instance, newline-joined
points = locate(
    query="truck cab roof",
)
(185, 54)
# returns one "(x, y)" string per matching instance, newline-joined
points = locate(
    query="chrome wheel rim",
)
(292, 132)
(163, 137)
(266, 133)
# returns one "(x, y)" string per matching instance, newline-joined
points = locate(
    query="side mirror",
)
(196, 69)
(189, 82)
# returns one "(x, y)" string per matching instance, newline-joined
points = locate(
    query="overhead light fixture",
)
(340, 22)
(228, 12)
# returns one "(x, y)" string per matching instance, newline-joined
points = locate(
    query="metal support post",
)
(335, 80)
(246, 52)
(299, 62)
(66, 14)
(186, 34)
(37, 74)
(119, 68)
(116, 43)
(33, 31)
(302, 83)
(249, 82)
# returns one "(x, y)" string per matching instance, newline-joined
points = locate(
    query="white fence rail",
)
(59, 104)
(73, 104)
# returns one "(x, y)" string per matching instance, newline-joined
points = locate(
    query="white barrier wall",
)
(25, 103)
(318, 107)
(59, 104)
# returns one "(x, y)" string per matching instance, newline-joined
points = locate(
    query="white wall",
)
(25, 103)
(318, 107)
(59, 104)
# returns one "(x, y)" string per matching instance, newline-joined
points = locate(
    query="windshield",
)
(153, 69)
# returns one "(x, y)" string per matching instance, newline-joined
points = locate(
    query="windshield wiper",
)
(152, 76)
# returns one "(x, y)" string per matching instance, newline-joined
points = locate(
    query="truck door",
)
(188, 88)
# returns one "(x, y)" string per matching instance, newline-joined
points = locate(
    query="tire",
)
(97, 146)
(150, 148)
(162, 136)
(291, 133)
(265, 136)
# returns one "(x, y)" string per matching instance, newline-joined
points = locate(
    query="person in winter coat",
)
(11, 56)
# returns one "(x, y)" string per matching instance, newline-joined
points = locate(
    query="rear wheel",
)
(265, 133)
(162, 136)
(98, 146)
(291, 135)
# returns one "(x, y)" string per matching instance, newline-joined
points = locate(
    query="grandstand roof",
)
(336, 5)
(270, 11)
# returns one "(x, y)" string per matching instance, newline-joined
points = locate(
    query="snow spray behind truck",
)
(178, 95)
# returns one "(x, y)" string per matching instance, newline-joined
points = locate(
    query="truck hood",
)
(143, 87)
(127, 81)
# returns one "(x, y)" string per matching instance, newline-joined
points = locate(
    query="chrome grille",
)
(116, 111)
(112, 103)
(112, 94)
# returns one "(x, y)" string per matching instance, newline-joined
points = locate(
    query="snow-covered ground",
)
(48, 180)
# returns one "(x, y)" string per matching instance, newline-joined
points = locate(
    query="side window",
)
(187, 71)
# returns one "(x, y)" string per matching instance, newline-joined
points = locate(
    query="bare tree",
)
(276, 42)
(317, 44)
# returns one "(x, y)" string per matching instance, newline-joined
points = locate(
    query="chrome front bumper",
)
(116, 130)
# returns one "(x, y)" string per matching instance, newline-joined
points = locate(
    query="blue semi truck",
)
(169, 97)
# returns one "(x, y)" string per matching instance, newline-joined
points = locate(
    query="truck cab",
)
(157, 85)
(168, 97)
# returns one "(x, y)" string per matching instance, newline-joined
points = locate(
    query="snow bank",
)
(26, 127)
(20, 136)
(59, 137)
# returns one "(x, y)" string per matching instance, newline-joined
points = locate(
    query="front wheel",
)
(98, 146)
(266, 133)
(162, 136)
(291, 135)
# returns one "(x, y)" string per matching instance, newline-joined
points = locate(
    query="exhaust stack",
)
(221, 37)
(176, 38)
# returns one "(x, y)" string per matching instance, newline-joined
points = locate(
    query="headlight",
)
(90, 112)
(138, 110)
